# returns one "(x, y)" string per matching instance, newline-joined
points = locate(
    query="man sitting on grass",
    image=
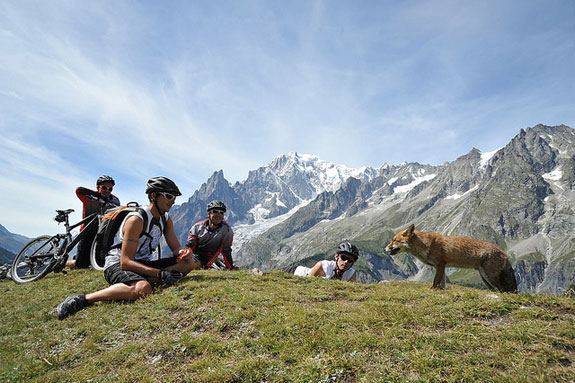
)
(129, 269)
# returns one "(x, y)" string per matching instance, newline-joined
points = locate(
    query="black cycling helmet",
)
(348, 248)
(103, 179)
(216, 205)
(162, 184)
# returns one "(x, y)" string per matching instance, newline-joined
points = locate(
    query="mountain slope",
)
(11, 242)
(6, 256)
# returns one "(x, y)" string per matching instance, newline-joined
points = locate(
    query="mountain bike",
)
(50, 253)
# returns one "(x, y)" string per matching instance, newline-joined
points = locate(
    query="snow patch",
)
(323, 176)
(259, 212)
(245, 232)
(555, 175)
(417, 181)
(485, 157)
(458, 196)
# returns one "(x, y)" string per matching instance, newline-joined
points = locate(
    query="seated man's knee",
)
(141, 289)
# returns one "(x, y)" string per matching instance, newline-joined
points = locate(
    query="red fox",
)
(442, 251)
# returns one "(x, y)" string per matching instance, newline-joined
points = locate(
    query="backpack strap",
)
(163, 216)
(144, 215)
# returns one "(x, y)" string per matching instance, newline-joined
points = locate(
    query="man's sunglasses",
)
(168, 196)
(346, 258)
(107, 188)
(220, 212)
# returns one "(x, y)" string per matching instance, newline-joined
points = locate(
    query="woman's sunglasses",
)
(345, 258)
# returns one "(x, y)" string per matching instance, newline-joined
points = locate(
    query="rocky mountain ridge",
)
(288, 182)
(519, 197)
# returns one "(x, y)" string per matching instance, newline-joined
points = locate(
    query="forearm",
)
(316, 271)
(137, 267)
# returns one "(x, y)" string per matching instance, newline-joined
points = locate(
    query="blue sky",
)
(135, 89)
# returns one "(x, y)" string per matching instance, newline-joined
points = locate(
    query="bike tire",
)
(24, 270)
(96, 260)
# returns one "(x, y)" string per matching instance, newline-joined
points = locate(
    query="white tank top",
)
(328, 269)
(146, 243)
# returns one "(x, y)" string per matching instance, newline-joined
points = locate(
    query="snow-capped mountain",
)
(320, 175)
(269, 195)
(519, 197)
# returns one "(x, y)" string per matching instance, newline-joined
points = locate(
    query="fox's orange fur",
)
(441, 251)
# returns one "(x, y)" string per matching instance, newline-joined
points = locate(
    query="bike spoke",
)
(34, 260)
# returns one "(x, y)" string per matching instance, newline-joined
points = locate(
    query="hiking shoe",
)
(71, 305)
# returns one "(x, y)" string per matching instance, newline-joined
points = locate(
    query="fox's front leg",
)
(439, 280)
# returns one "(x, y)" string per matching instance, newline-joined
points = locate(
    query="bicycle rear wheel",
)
(35, 260)
(97, 259)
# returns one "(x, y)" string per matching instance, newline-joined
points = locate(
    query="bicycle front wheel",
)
(35, 260)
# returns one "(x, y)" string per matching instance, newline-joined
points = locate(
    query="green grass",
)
(239, 327)
(467, 277)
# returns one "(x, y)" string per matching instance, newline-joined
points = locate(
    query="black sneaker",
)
(71, 305)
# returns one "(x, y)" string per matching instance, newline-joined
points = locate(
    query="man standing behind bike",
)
(211, 237)
(130, 269)
(93, 201)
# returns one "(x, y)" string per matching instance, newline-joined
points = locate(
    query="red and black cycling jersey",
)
(208, 243)
(94, 202)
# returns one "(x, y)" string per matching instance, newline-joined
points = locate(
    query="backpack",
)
(109, 226)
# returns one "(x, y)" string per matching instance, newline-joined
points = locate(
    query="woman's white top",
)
(328, 269)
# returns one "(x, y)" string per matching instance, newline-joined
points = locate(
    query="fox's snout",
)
(392, 248)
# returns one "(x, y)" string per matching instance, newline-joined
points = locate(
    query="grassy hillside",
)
(239, 327)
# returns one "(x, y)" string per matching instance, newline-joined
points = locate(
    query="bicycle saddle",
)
(64, 212)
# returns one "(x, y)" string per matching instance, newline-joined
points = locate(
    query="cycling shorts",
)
(114, 273)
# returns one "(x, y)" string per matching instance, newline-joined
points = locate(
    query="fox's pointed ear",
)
(409, 230)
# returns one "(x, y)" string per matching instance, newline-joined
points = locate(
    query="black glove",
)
(169, 277)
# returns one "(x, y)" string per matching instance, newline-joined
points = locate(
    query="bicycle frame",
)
(52, 251)
(69, 243)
